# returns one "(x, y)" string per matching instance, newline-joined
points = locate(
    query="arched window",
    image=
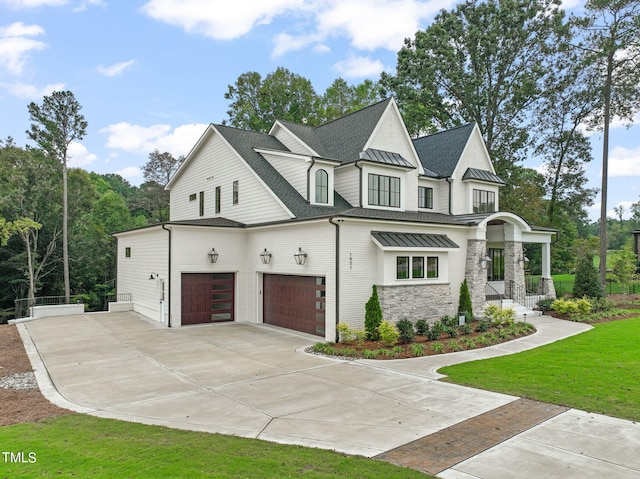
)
(322, 186)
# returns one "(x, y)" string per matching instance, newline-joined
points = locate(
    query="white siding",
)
(347, 184)
(362, 264)
(291, 141)
(391, 135)
(440, 195)
(149, 254)
(316, 238)
(190, 248)
(216, 164)
(294, 170)
(408, 186)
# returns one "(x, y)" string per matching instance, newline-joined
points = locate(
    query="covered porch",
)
(497, 263)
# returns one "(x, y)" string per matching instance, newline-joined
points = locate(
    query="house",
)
(292, 228)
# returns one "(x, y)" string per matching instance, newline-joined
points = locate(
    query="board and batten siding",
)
(190, 249)
(149, 252)
(316, 238)
(217, 164)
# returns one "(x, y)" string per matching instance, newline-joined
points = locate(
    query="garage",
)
(295, 302)
(207, 297)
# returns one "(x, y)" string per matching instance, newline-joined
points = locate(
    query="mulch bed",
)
(20, 405)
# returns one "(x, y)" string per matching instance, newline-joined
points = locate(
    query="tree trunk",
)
(605, 172)
(65, 233)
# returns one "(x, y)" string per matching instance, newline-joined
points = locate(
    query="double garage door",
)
(295, 302)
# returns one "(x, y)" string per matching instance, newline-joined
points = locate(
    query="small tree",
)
(464, 303)
(624, 268)
(373, 316)
(587, 282)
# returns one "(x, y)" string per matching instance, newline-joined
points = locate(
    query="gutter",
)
(356, 164)
(164, 227)
(313, 161)
(450, 181)
(337, 225)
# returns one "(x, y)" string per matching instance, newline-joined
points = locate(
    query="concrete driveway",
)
(257, 381)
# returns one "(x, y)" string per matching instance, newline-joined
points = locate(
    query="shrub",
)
(499, 317)
(349, 335)
(452, 331)
(422, 327)
(373, 316)
(584, 306)
(453, 345)
(572, 307)
(323, 348)
(438, 348)
(545, 304)
(388, 333)
(602, 304)
(466, 328)
(464, 303)
(371, 354)
(491, 311)
(587, 282)
(469, 343)
(483, 326)
(417, 349)
(406, 331)
(435, 331)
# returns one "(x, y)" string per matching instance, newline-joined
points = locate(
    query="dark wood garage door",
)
(207, 297)
(295, 302)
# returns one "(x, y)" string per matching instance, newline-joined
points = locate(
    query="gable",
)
(476, 157)
(440, 152)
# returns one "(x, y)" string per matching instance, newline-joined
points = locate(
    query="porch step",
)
(518, 308)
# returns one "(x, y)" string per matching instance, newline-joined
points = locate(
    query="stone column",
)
(475, 274)
(513, 268)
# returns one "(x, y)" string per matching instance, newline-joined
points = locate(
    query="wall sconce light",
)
(265, 257)
(213, 255)
(153, 276)
(485, 259)
(300, 256)
(523, 261)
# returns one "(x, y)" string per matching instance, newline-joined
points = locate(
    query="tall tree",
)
(561, 142)
(281, 95)
(55, 124)
(161, 167)
(486, 62)
(340, 98)
(611, 47)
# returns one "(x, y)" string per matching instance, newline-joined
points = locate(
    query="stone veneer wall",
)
(475, 274)
(425, 301)
(512, 270)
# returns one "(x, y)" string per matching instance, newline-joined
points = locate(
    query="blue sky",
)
(152, 74)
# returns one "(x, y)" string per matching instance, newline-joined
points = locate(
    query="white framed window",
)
(322, 186)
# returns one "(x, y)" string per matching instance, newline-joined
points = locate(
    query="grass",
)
(86, 446)
(597, 371)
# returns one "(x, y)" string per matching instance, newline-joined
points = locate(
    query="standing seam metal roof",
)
(413, 240)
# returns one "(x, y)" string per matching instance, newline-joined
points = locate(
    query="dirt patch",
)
(25, 404)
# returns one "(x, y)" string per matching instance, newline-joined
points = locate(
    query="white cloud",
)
(115, 69)
(356, 67)
(32, 92)
(141, 139)
(626, 211)
(624, 162)
(16, 43)
(133, 174)
(18, 4)
(221, 20)
(78, 155)
(368, 24)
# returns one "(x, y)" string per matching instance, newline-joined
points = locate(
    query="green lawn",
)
(597, 371)
(85, 446)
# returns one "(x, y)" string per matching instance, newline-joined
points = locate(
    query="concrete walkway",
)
(257, 381)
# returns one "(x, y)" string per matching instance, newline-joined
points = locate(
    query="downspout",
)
(337, 225)
(313, 161)
(168, 278)
(360, 182)
(450, 181)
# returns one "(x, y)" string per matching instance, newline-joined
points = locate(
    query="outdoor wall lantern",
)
(265, 257)
(523, 260)
(485, 259)
(213, 255)
(300, 256)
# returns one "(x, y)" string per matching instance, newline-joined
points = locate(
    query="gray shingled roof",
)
(439, 153)
(344, 138)
(413, 240)
(245, 142)
(482, 175)
(386, 157)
